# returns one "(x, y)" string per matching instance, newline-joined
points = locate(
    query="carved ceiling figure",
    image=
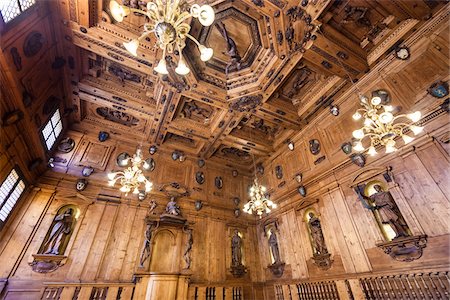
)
(191, 111)
(317, 235)
(146, 250)
(232, 50)
(274, 249)
(300, 81)
(356, 14)
(124, 74)
(389, 213)
(236, 249)
(60, 230)
(172, 207)
(117, 116)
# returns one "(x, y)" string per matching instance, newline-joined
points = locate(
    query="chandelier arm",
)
(184, 16)
(192, 39)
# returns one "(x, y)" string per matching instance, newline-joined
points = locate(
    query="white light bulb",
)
(132, 46)
(390, 149)
(161, 68)
(182, 68)
(358, 134)
(135, 191)
(146, 165)
(269, 202)
(375, 100)
(416, 129)
(123, 189)
(386, 117)
(368, 122)
(111, 176)
(415, 116)
(111, 183)
(141, 178)
(358, 147)
(407, 139)
(372, 151)
(128, 175)
(274, 205)
(356, 116)
(118, 12)
(205, 53)
(206, 15)
(388, 108)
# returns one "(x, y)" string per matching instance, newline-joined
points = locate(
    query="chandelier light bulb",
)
(407, 139)
(372, 151)
(111, 176)
(111, 183)
(132, 46)
(123, 189)
(390, 149)
(376, 100)
(205, 53)
(358, 147)
(146, 165)
(358, 134)
(161, 68)
(368, 122)
(356, 116)
(118, 11)
(386, 117)
(128, 175)
(415, 116)
(388, 108)
(182, 68)
(141, 178)
(206, 15)
(135, 191)
(416, 129)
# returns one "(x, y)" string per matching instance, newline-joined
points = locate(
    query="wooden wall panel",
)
(427, 201)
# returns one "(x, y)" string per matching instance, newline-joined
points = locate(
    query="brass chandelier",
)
(132, 178)
(167, 22)
(381, 127)
(259, 202)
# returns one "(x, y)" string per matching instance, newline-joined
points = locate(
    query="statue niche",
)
(399, 243)
(277, 266)
(52, 249)
(237, 267)
(321, 256)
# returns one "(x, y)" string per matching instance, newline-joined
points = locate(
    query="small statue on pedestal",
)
(172, 207)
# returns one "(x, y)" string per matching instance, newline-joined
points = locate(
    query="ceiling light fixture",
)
(259, 202)
(381, 126)
(167, 22)
(132, 178)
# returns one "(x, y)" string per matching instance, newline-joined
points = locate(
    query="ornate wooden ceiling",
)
(295, 57)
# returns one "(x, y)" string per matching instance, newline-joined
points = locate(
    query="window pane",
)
(52, 129)
(47, 130)
(10, 9)
(7, 185)
(25, 4)
(51, 140)
(14, 196)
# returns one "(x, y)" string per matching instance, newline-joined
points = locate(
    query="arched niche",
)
(50, 255)
(164, 257)
(60, 230)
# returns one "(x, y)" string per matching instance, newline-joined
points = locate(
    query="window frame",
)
(25, 182)
(58, 138)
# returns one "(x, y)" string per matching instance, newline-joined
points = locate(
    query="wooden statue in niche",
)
(374, 192)
(321, 256)
(277, 265)
(385, 209)
(237, 267)
(51, 252)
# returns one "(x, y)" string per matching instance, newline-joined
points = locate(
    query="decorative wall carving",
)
(124, 74)
(33, 43)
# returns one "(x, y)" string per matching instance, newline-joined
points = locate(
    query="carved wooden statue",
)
(232, 50)
(147, 249)
(274, 249)
(187, 251)
(388, 211)
(60, 231)
(317, 235)
(172, 207)
(236, 249)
